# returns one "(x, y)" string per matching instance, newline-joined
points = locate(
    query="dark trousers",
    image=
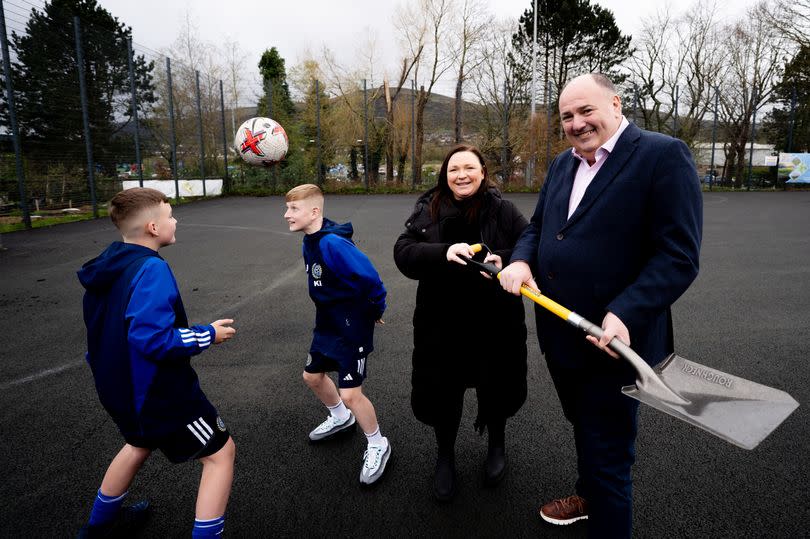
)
(605, 427)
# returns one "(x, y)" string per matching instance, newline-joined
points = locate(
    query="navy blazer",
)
(631, 247)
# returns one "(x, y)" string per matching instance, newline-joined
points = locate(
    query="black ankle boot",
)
(494, 466)
(444, 482)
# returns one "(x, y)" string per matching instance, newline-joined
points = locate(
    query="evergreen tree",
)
(777, 125)
(46, 84)
(274, 78)
(282, 109)
(309, 126)
(573, 37)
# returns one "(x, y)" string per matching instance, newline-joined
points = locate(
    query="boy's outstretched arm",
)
(152, 318)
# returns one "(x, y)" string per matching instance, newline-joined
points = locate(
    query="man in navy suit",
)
(615, 237)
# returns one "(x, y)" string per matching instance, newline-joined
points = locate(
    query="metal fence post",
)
(269, 98)
(318, 131)
(135, 111)
(200, 130)
(226, 183)
(88, 143)
(548, 124)
(12, 113)
(172, 130)
(365, 136)
(714, 134)
(413, 133)
(505, 172)
(753, 136)
(792, 121)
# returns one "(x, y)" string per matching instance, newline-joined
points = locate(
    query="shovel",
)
(733, 408)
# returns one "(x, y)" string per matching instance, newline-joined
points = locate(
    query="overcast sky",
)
(297, 26)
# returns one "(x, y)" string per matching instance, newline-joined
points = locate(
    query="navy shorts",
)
(200, 437)
(351, 371)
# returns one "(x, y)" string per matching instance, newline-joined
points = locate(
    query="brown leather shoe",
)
(565, 511)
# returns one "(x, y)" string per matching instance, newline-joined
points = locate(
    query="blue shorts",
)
(201, 437)
(351, 371)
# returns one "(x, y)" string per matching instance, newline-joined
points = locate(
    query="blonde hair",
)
(303, 192)
(131, 202)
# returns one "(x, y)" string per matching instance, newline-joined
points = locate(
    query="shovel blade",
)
(735, 409)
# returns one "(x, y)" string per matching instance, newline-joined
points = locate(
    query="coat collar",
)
(625, 146)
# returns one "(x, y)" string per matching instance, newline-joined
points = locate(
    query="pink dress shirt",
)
(585, 173)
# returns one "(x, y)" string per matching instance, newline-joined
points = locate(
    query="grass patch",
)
(11, 223)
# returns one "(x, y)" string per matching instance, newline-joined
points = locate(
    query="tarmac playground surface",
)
(747, 314)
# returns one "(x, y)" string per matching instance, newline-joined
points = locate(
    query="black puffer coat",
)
(468, 332)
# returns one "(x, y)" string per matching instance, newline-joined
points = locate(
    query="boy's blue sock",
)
(105, 508)
(208, 528)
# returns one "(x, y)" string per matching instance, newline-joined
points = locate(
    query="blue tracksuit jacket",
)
(139, 344)
(348, 293)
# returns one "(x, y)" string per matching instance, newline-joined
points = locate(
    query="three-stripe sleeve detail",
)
(202, 338)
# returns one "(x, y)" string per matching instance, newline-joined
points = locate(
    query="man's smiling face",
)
(590, 115)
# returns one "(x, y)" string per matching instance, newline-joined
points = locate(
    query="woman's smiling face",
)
(464, 174)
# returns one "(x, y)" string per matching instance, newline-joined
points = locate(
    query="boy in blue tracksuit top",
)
(349, 298)
(139, 347)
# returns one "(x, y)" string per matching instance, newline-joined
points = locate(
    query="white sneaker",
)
(330, 427)
(374, 460)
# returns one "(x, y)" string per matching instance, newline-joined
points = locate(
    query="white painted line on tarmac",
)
(288, 276)
(40, 375)
(295, 272)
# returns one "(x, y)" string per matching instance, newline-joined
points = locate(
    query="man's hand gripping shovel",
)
(735, 409)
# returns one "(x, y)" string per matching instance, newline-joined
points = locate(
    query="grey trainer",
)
(374, 460)
(330, 427)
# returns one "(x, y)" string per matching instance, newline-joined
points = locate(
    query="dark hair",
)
(443, 193)
(131, 201)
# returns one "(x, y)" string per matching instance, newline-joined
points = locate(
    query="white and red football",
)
(261, 141)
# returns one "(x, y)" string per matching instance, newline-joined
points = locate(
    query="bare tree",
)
(234, 58)
(677, 62)
(347, 87)
(792, 17)
(189, 55)
(499, 81)
(470, 22)
(703, 68)
(652, 67)
(437, 60)
(755, 49)
(413, 30)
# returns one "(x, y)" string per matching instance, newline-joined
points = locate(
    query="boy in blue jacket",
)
(349, 298)
(139, 347)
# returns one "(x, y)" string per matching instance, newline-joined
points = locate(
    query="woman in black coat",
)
(468, 333)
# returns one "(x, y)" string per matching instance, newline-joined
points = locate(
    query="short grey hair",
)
(602, 80)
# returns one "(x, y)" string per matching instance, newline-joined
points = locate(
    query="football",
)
(261, 141)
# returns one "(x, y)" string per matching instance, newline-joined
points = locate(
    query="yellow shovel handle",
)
(535, 295)
(543, 301)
